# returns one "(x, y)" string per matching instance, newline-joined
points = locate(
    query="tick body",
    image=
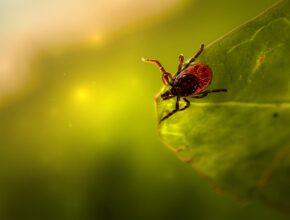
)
(202, 74)
(190, 81)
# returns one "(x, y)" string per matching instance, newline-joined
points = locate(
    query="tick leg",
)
(205, 93)
(167, 97)
(174, 111)
(186, 106)
(217, 90)
(194, 57)
(181, 61)
(202, 95)
(166, 76)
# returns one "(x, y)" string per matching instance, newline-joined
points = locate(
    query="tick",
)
(190, 81)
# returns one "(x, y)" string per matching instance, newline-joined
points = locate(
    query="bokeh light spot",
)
(81, 95)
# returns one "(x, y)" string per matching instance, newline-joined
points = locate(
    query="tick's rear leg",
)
(194, 57)
(174, 111)
(166, 76)
(186, 106)
(205, 93)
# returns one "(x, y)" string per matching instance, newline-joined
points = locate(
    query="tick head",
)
(167, 95)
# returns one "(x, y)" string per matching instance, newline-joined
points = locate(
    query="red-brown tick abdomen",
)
(203, 73)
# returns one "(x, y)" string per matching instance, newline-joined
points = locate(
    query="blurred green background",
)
(78, 139)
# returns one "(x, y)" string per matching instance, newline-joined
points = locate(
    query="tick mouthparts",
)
(166, 95)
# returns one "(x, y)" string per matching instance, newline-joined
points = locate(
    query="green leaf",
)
(240, 140)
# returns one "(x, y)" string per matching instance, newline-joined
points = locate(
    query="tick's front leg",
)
(181, 61)
(167, 78)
